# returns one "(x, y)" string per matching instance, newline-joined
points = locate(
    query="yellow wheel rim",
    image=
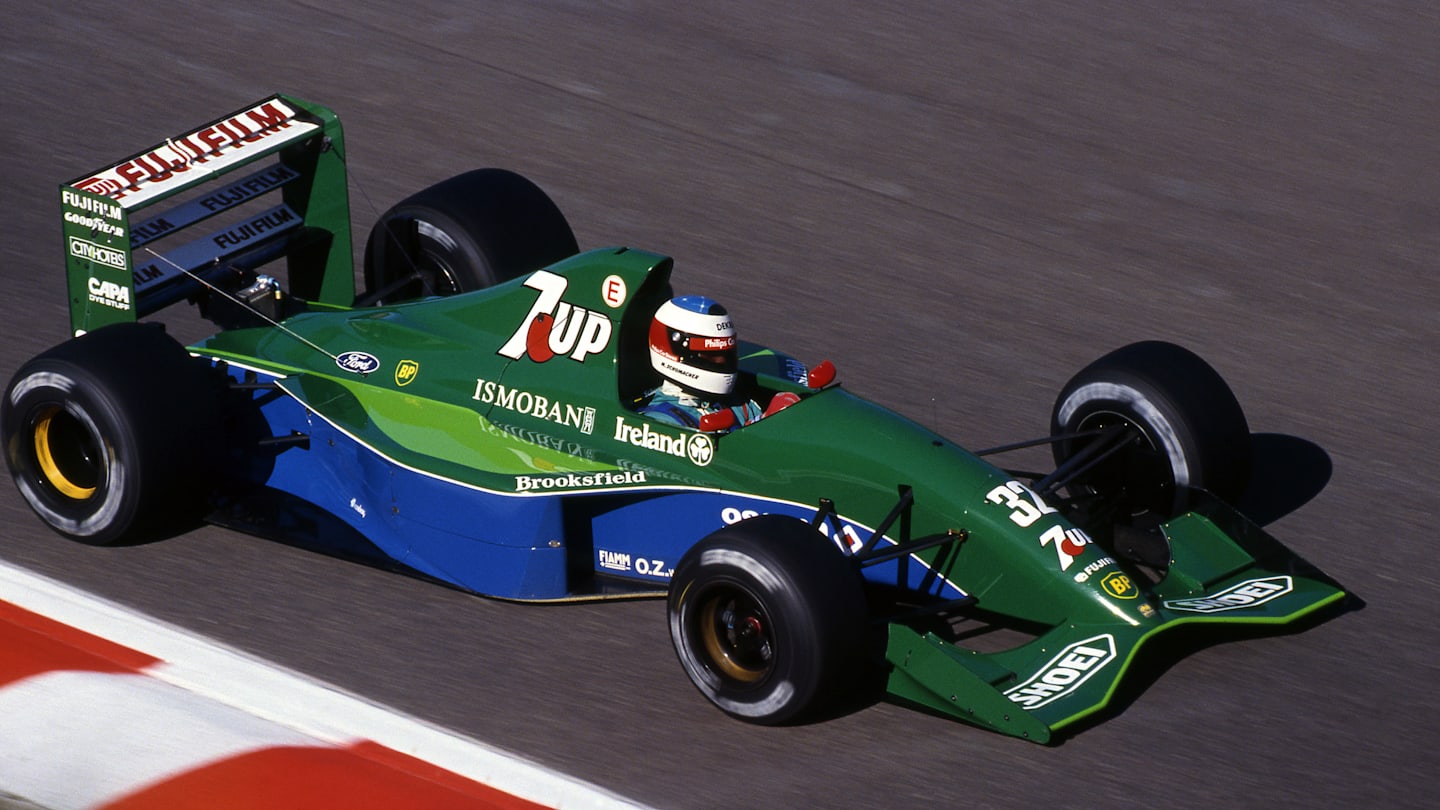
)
(49, 466)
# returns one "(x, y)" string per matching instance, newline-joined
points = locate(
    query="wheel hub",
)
(735, 636)
(66, 455)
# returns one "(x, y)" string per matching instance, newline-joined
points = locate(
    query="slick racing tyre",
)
(1173, 422)
(109, 436)
(466, 233)
(768, 619)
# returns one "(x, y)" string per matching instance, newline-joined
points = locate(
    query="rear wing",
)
(132, 245)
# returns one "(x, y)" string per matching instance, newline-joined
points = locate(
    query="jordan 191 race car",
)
(471, 417)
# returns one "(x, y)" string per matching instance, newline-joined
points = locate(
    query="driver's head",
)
(692, 343)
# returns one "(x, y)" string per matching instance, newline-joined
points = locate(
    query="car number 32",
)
(1026, 508)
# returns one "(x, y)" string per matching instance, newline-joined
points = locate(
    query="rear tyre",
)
(466, 233)
(1177, 425)
(768, 619)
(110, 436)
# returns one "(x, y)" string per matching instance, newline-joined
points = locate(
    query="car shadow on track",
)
(1286, 473)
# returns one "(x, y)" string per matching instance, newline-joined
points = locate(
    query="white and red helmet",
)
(692, 343)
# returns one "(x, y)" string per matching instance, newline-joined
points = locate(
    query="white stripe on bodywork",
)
(354, 437)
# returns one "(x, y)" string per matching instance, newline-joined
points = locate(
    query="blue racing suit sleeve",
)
(672, 413)
(747, 412)
(665, 408)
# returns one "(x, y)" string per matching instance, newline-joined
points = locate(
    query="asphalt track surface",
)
(961, 204)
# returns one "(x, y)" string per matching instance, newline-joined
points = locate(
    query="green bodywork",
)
(461, 390)
(833, 445)
(1075, 668)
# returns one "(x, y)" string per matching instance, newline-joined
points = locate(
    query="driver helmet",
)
(692, 344)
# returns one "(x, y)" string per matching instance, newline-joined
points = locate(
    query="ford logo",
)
(358, 362)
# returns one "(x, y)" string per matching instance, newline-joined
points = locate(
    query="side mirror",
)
(781, 401)
(718, 421)
(821, 375)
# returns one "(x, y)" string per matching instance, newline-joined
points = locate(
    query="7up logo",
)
(554, 327)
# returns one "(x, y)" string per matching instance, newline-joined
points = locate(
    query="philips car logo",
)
(100, 254)
(554, 327)
(358, 362)
(1243, 595)
(1064, 673)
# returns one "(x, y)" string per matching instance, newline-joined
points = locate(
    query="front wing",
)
(1225, 571)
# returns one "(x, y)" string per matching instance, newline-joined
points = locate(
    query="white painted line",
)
(310, 708)
(141, 730)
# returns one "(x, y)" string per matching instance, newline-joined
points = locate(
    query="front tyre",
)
(1171, 422)
(109, 436)
(768, 620)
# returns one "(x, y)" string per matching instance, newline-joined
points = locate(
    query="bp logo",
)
(405, 372)
(1119, 585)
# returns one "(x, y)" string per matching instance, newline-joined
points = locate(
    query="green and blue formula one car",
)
(473, 415)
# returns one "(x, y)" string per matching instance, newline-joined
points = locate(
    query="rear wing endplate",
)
(131, 242)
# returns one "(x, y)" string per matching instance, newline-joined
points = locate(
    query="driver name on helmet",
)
(693, 348)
